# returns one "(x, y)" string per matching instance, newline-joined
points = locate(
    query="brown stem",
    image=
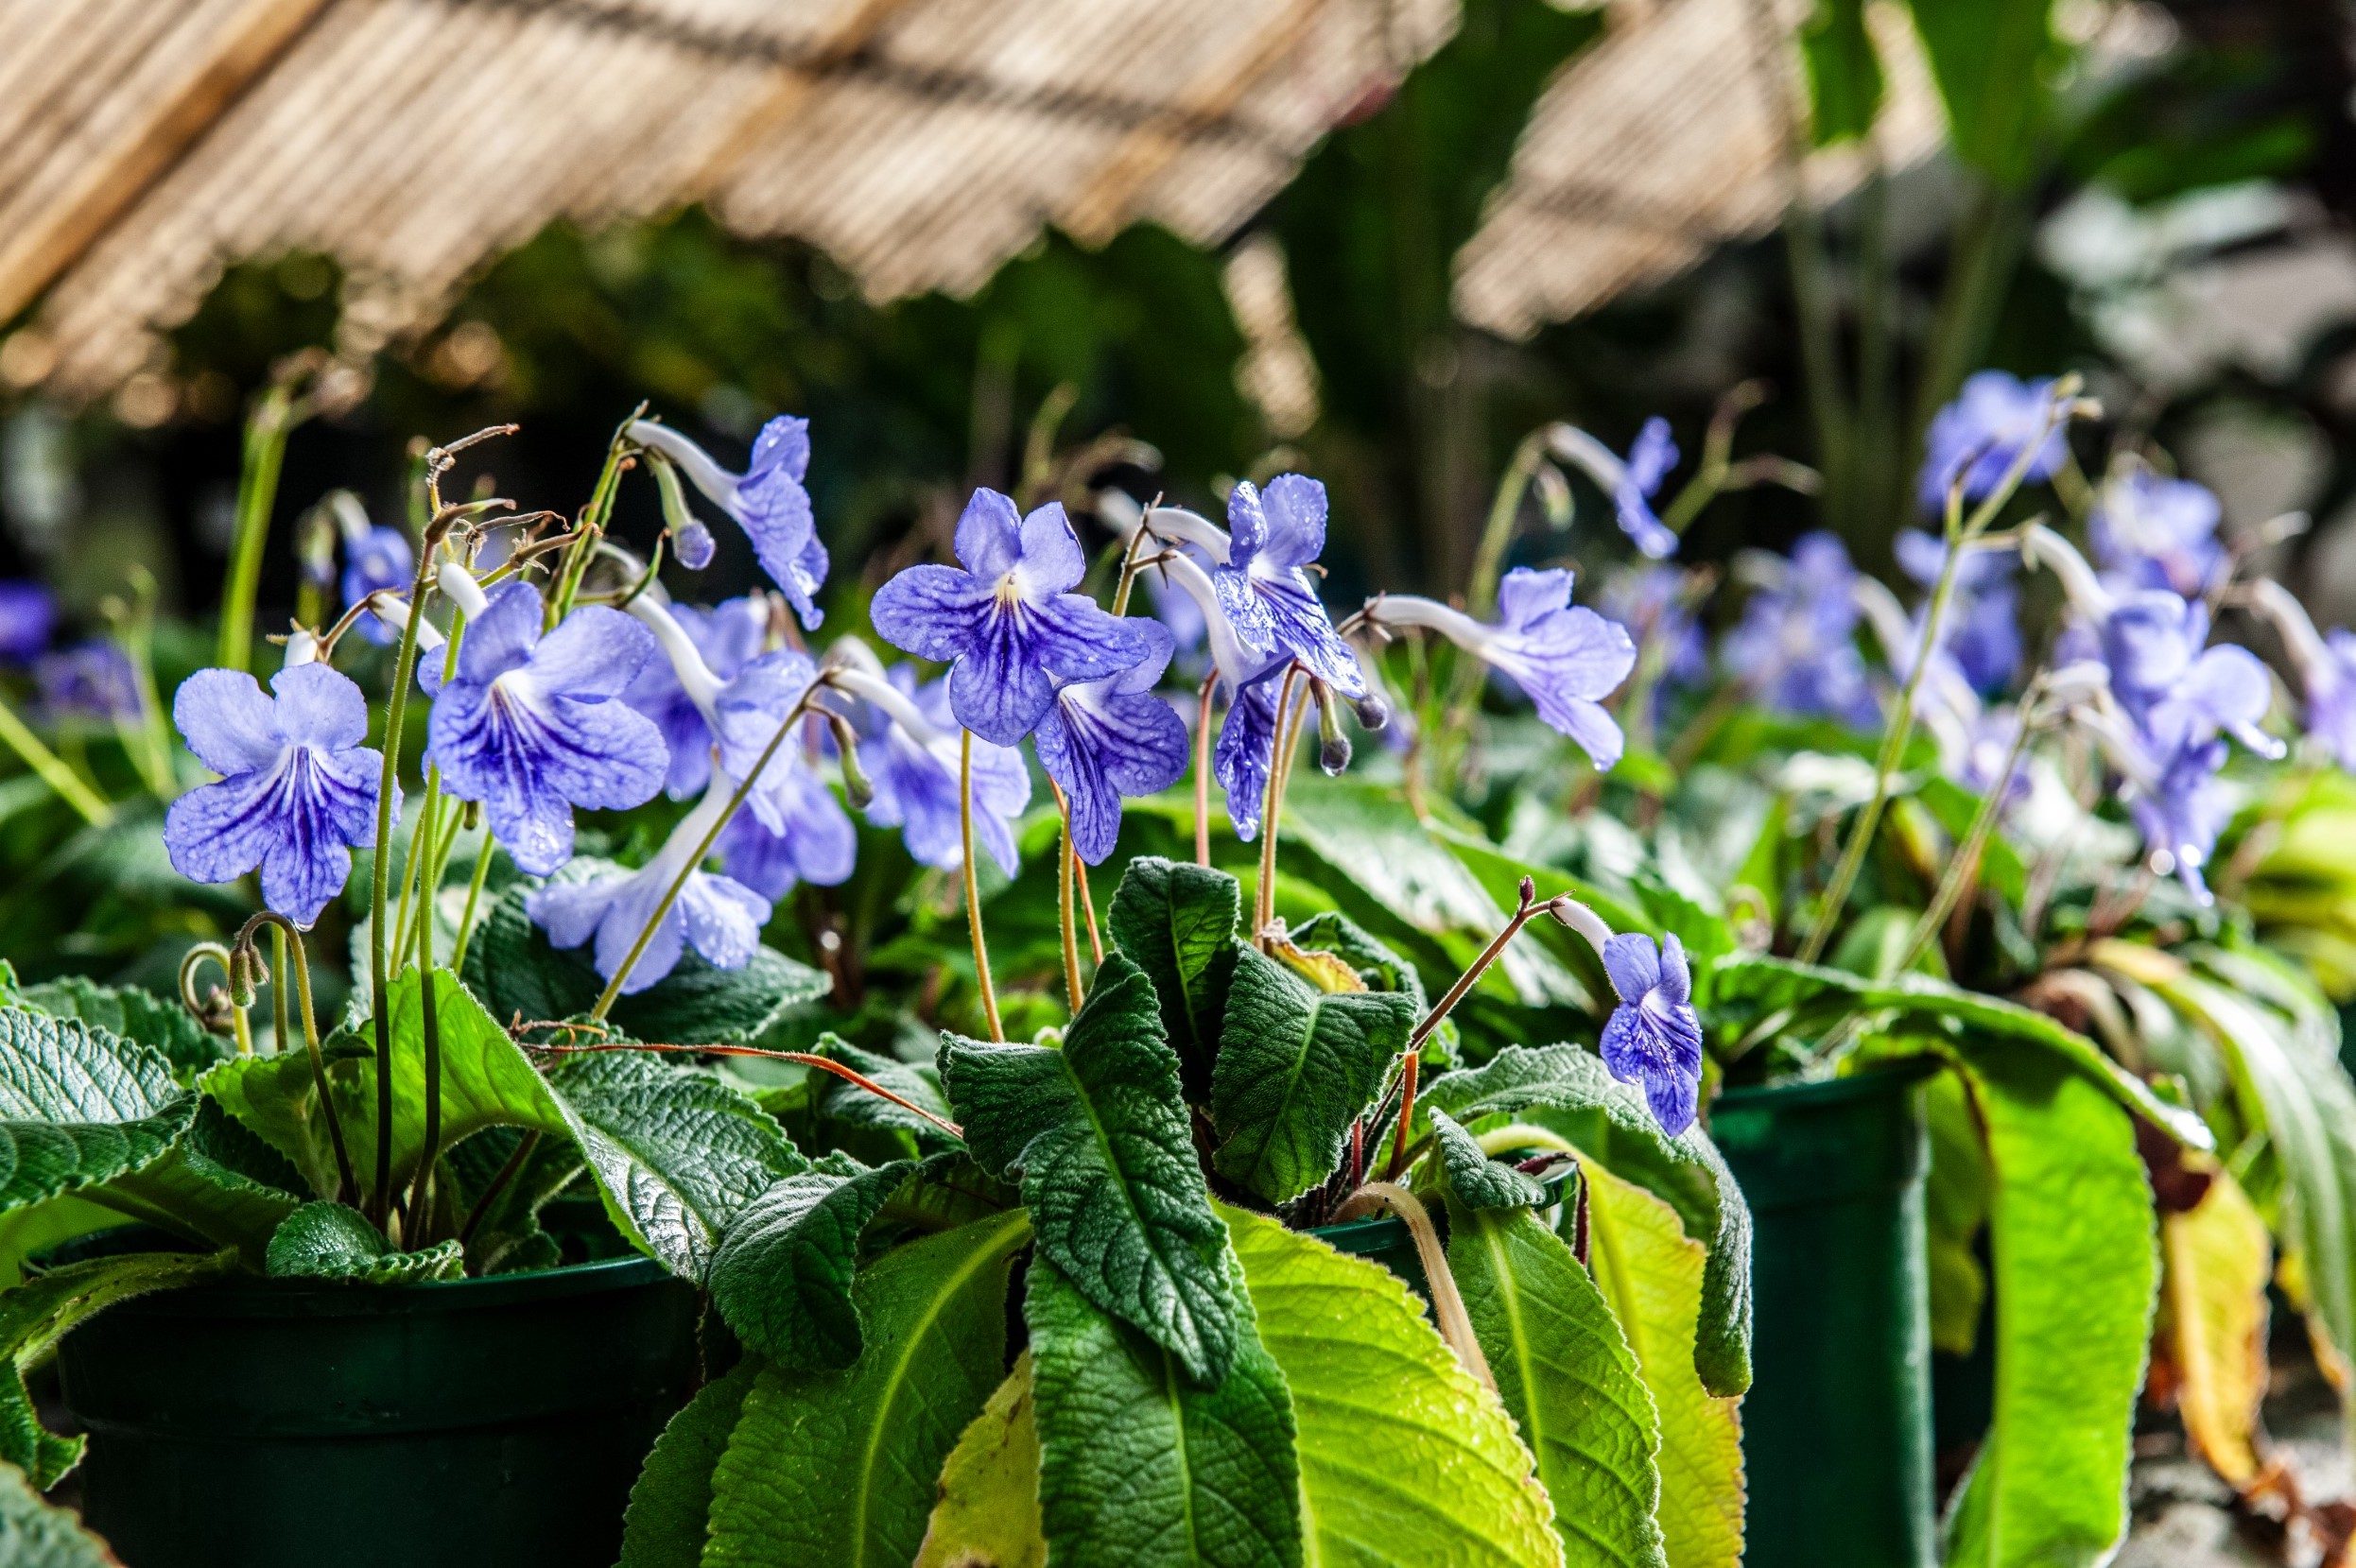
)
(1203, 771)
(1521, 917)
(1064, 919)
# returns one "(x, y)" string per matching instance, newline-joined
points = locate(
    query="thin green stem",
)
(1271, 797)
(421, 851)
(473, 896)
(575, 563)
(973, 888)
(388, 788)
(52, 768)
(1064, 903)
(291, 935)
(413, 1232)
(1202, 770)
(1497, 534)
(1963, 866)
(279, 1025)
(267, 427)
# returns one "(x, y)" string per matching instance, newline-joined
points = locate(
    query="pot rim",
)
(1854, 1086)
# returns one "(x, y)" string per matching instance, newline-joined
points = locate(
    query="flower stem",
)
(1088, 908)
(1411, 1053)
(506, 1173)
(1497, 535)
(290, 935)
(413, 1230)
(473, 896)
(1963, 865)
(421, 851)
(847, 1074)
(52, 768)
(274, 415)
(1064, 878)
(575, 562)
(1203, 771)
(973, 887)
(1272, 803)
(279, 1024)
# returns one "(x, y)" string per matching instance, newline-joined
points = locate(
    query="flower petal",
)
(1295, 507)
(594, 652)
(783, 444)
(1052, 560)
(570, 912)
(228, 722)
(724, 919)
(319, 706)
(1526, 594)
(503, 636)
(1305, 631)
(1633, 962)
(989, 539)
(932, 611)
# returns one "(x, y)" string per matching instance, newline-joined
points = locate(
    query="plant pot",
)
(1836, 1429)
(275, 1423)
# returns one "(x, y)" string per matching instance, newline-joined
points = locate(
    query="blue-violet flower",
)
(1992, 420)
(1265, 589)
(767, 500)
(1104, 739)
(1654, 1037)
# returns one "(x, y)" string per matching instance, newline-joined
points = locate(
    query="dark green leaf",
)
(1474, 1180)
(917, 1083)
(1567, 1091)
(206, 1188)
(36, 1315)
(35, 1535)
(1296, 1066)
(1991, 59)
(80, 1105)
(677, 1153)
(841, 1468)
(670, 1504)
(1844, 74)
(511, 965)
(1139, 1470)
(782, 1275)
(1566, 1375)
(510, 1228)
(331, 1241)
(133, 1014)
(1101, 1137)
(1177, 920)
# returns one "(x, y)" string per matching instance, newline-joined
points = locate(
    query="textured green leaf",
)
(80, 1105)
(671, 1504)
(218, 1185)
(919, 1083)
(508, 1230)
(1844, 74)
(36, 1315)
(782, 1275)
(35, 1535)
(1473, 1178)
(1137, 1469)
(988, 1516)
(840, 1467)
(511, 965)
(1569, 1381)
(677, 1154)
(1566, 1091)
(1177, 921)
(2071, 1236)
(1405, 1461)
(1101, 1137)
(1296, 1066)
(1651, 1273)
(132, 1013)
(331, 1241)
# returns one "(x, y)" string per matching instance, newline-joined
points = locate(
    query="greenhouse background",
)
(1807, 990)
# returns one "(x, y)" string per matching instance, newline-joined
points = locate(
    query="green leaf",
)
(1651, 1273)
(840, 1467)
(917, 1083)
(671, 1504)
(1956, 1205)
(2071, 1235)
(132, 1013)
(1177, 921)
(36, 1315)
(1568, 1380)
(1991, 59)
(80, 1105)
(782, 1275)
(1405, 1461)
(511, 965)
(1106, 1156)
(1296, 1066)
(206, 1188)
(509, 1231)
(1137, 1469)
(332, 1241)
(1844, 73)
(1474, 1180)
(677, 1154)
(988, 1516)
(1566, 1089)
(35, 1535)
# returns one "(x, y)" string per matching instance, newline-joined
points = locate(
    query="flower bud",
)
(1333, 747)
(246, 972)
(855, 780)
(691, 541)
(1373, 712)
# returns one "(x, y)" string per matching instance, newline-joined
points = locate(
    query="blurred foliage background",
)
(2078, 192)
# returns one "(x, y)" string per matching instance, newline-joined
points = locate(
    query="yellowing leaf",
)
(1650, 1272)
(988, 1515)
(2219, 1256)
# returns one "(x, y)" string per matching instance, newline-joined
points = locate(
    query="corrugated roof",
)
(1670, 136)
(921, 143)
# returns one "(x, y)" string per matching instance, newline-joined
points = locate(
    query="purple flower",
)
(1650, 601)
(2181, 814)
(90, 681)
(1567, 659)
(2331, 695)
(375, 560)
(1264, 587)
(1007, 619)
(2177, 691)
(531, 726)
(28, 613)
(789, 801)
(720, 917)
(1631, 482)
(2154, 532)
(725, 636)
(298, 790)
(1989, 425)
(767, 500)
(1104, 739)
(909, 752)
(1654, 1037)
(1796, 641)
(1246, 747)
(1983, 629)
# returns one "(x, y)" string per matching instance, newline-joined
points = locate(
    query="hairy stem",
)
(290, 935)
(1411, 1053)
(973, 887)
(827, 1064)
(498, 1184)
(413, 1232)
(1203, 771)
(473, 896)
(1064, 877)
(1272, 803)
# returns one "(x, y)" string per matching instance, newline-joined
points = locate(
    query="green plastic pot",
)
(1836, 1429)
(272, 1423)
